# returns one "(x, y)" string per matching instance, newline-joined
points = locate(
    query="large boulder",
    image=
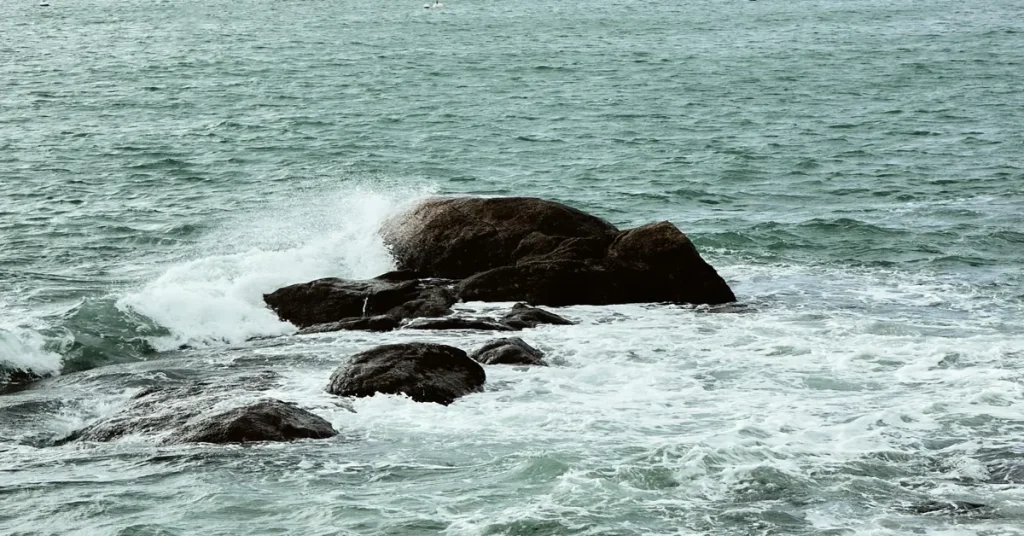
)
(652, 263)
(458, 237)
(423, 372)
(545, 253)
(332, 300)
(510, 351)
(657, 262)
(266, 420)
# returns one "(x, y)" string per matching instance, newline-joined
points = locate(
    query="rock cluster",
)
(470, 249)
(504, 249)
(545, 253)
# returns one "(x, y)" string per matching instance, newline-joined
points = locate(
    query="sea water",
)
(851, 168)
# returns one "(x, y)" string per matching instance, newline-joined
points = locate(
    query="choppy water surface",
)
(852, 168)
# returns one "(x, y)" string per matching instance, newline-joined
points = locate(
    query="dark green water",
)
(852, 168)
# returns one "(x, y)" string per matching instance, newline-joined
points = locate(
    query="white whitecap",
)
(23, 349)
(218, 297)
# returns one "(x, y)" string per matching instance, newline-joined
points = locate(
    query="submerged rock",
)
(509, 351)
(266, 420)
(333, 300)
(523, 316)
(455, 322)
(458, 237)
(372, 323)
(949, 507)
(424, 372)
(181, 414)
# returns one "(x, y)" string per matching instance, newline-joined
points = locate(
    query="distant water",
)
(853, 169)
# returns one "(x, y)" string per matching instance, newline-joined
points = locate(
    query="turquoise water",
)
(852, 168)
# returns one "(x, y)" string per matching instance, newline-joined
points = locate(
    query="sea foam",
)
(23, 349)
(217, 297)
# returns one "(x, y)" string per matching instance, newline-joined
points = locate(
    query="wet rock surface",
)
(652, 263)
(422, 371)
(372, 323)
(455, 322)
(182, 414)
(508, 351)
(333, 300)
(505, 249)
(266, 420)
(947, 507)
(523, 316)
(458, 237)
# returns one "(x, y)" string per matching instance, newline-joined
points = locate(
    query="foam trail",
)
(218, 298)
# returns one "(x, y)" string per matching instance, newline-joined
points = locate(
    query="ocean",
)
(852, 168)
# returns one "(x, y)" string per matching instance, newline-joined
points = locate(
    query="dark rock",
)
(179, 412)
(12, 379)
(523, 316)
(266, 420)
(510, 351)
(543, 283)
(949, 507)
(333, 300)
(372, 323)
(657, 262)
(151, 411)
(453, 322)
(399, 275)
(432, 301)
(653, 263)
(458, 237)
(586, 250)
(424, 372)
(537, 244)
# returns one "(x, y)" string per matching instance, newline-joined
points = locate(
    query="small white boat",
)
(435, 5)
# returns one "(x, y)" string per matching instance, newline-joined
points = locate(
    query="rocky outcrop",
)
(340, 300)
(504, 249)
(510, 351)
(653, 263)
(523, 316)
(545, 253)
(266, 420)
(458, 237)
(423, 372)
(181, 414)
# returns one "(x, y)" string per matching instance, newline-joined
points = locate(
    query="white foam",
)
(218, 297)
(24, 349)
